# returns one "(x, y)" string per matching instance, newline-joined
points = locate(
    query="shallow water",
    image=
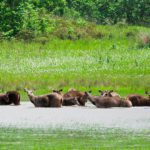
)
(27, 116)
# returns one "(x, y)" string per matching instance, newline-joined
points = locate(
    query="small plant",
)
(81, 22)
(26, 35)
(130, 34)
(1, 36)
(122, 24)
(42, 40)
(143, 39)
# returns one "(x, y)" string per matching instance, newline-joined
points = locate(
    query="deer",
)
(106, 102)
(109, 93)
(47, 100)
(73, 97)
(68, 101)
(14, 97)
(10, 97)
(139, 100)
(4, 100)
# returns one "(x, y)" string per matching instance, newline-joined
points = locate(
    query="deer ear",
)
(85, 93)
(100, 92)
(110, 91)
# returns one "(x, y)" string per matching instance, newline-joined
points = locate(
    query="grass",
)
(55, 139)
(113, 62)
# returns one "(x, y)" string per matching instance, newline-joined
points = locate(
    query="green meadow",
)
(119, 60)
(56, 139)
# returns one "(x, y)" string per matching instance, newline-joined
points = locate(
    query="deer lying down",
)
(14, 97)
(48, 100)
(139, 100)
(4, 100)
(68, 101)
(106, 102)
(110, 93)
(73, 97)
(11, 97)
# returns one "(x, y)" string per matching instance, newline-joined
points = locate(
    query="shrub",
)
(74, 30)
(27, 35)
(143, 39)
(1, 36)
(43, 40)
(130, 34)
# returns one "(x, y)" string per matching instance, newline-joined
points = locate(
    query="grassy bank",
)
(117, 61)
(55, 139)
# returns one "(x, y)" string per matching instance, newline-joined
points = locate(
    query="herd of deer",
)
(106, 99)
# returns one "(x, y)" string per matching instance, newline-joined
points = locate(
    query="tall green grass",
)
(113, 62)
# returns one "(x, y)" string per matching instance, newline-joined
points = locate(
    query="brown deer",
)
(73, 97)
(139, 100)
(70, 101)
(4, 100)
(48, 100)
(110, 93)
(67, 101)
(106, 102)
(11, 97)
(14, 97)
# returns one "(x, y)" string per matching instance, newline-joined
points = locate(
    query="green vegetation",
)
(56, 139)
(118, 61)
(29, 18)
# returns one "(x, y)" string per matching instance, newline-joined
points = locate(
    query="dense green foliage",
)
(56, 139)
(29, 18)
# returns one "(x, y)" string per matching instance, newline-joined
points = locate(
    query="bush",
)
(130, 34)
(1, 36)
(27, 35)
(22, 18)
(43, 40)
(143, 39)
(74, 30)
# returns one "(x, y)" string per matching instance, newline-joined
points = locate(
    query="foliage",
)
(22, 19)
(20, 15)
(74, 30)
(143, 39)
